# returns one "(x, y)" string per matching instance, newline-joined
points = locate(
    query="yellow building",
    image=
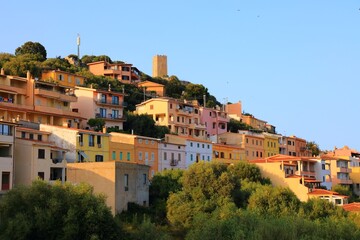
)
(160, 66)
(271, 144)
(138, 149)
(287, 171)
(37, 101)
(121, 182)
(229, 154)
(62, 78)
(37, 157)
(83, 145)
(181, 117)
(254, 122)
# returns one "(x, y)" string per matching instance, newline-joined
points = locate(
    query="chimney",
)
(2, 71)
(28, 75)
(104, 129)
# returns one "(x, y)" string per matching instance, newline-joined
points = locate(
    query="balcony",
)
(174, 162)
(55, 94)
(302, 149)
(13, 89)
(109, 103)
(343, 170)
(112, 71)
(110, 117)
(57, 111)
(345, 181)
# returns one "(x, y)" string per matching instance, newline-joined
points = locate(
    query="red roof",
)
(325, 192)
(352, 207)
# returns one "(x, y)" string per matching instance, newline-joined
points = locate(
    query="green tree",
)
(96, 123)
(57, 63)
(235, 125)
(275, 201)
(34, 48)
(174, 88)
(314, 148)
(44, 211)
(18, 66)
(315, 209)
(144, 125)
(5, 57)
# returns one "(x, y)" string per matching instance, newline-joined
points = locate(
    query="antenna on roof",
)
(78, 46)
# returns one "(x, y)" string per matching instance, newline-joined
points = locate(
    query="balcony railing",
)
(344, 170)
(174, 162)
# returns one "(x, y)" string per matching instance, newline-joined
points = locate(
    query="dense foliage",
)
(43, 211)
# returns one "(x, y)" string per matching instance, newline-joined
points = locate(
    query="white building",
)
(171, 156)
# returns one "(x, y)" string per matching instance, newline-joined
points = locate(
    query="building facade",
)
(159, 66)
(121, 182)
(100, 104)
(215, 120)
(171, 156)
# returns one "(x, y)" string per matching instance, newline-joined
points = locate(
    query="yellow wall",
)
(68, 79)
(228, 154)
(92, 151)
(120, 143)
(271, 145)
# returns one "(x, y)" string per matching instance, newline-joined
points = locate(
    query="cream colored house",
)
(37, 157)
(121, 182)
(7, 136)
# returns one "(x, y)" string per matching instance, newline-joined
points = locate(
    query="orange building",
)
(234, 110)
(62, 78)
(152, 88)
(229, 154)
(294, 146)
(124, 72)
(37, 101)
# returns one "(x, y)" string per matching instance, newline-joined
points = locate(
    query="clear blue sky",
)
(294, 64)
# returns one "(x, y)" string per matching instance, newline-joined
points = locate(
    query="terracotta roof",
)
(352, 207)
(325, 192)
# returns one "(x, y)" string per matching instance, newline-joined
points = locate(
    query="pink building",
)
(215, 120)
(107, 105)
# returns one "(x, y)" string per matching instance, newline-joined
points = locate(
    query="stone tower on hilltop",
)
(160, 66)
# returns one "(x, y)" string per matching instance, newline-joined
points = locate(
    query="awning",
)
(83, 154)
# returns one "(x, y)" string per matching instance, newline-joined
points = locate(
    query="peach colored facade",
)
(234, 110)
(287, 171)
(180, 117)
(251, 142)
(229, 154)
(215, 120)
(254, 122)
(353, 155)
(107, 105)
(37, 101)
(294, 146)
(152, 88)
(7, 144)
(37, 157)
(340, 170)
(145, 150)
(121, 182)
(124, 72)
(159, 67)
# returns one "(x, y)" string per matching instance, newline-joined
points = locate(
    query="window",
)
(98, 140)
(41, 153)
(103, 112)
(114, 114)
(103, 98)
(146, 156)
(60, 77)
(198, 145)
(191, 157)
(203, 145)
(126, 69)
(140, 155)
(128, 156)
(113, 155)
(214, 125)
(65, 104)
(260, 154)
(31, 136)
(5, 181)
(179, 156)
(77, 80)
(115, 100)
(39, 137)
(152, 156)
(99, 158)
(144, 178)
(247, 140)
(126, 182)
(140, 140)
(208, 146)
(81, 139)
(125, 78)
(165, 155)
(91, 140)
(208, 158)
(191, 144)
(202, 157)
(170, 105)
(23, 134)
(121, 156)
(41, 175)
(69, 79)
(5, 130)
(222, 155)
(323, 166)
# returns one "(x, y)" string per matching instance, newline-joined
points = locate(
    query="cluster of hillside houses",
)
(44, 134)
